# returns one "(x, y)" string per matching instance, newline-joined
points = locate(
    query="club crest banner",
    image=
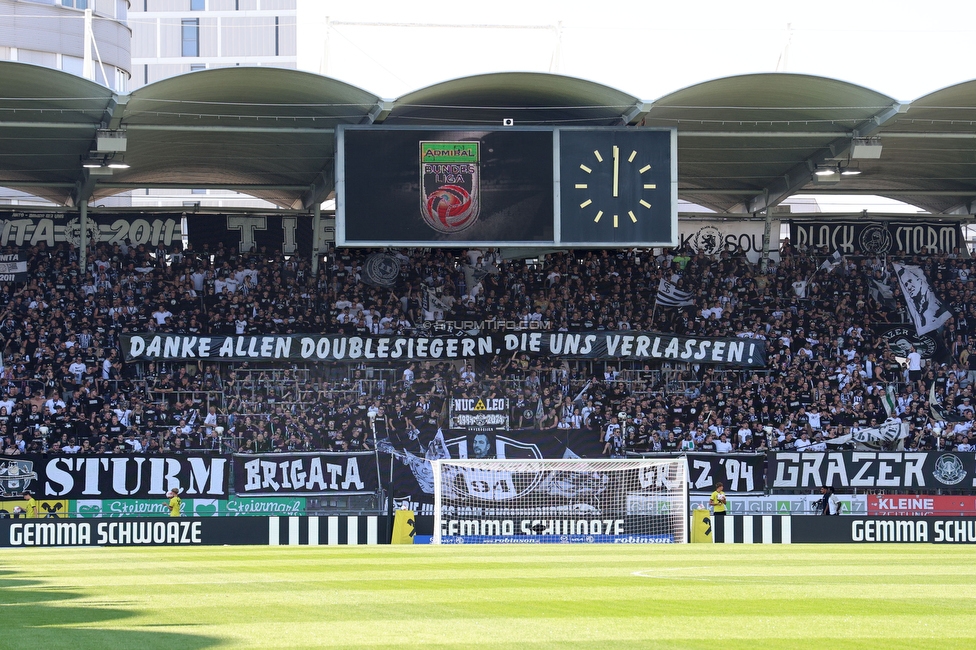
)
(715, 237)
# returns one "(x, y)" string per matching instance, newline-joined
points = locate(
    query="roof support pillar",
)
(83, 238)
(767, 227)
(316, 227)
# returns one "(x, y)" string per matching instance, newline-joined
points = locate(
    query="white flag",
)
(669, 295)
(882, 293)
(927, 311)
(890, 436)
(831, 262)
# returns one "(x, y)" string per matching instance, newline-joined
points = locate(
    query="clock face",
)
(616, 186)
(615, 180)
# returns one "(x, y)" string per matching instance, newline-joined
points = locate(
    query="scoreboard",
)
(511, 186)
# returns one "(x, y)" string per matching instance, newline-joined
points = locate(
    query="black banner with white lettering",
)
(305, 474)
(739, 473)
(790, 529)
(289, 234)
(859, 530)
(740, 352)
(110, 476)
(30, 228)
(918, 471)
(878, 237)
(144, 531)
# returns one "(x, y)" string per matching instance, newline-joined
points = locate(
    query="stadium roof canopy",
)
(744, 142)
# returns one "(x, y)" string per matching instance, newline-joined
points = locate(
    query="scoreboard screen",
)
(532, 187)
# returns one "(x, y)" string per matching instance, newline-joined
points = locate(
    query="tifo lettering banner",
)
(889, 470)
(110, 476)
(715, 237)
(31, 228)
(742, 473)
(745, 353)
(13, 267)
(305, 474)
(878, 238)
(288, 234)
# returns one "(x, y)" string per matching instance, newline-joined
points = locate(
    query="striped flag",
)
(882, 293)
(889, 402)
(669, 295)
(831, 262)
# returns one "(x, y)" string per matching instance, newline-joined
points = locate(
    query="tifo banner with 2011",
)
(740, 352)
(13, 267)
(872, 470)
(301, 474)
(30, 228)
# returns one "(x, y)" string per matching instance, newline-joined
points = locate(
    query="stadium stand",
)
(65, 388)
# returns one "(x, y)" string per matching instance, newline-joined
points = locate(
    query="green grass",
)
(716, 597)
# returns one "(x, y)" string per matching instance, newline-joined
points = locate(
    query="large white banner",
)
(713, 237)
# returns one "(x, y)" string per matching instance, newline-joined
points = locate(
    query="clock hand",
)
(616, 169)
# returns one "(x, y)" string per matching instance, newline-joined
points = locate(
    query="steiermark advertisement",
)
(260, 506)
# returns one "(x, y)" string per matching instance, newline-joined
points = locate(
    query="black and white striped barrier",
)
(326, 531)
(753, 529)
(196, 531)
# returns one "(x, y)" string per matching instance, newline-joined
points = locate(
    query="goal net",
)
(560, 501)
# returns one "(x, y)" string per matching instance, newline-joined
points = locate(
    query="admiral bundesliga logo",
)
(449, 185)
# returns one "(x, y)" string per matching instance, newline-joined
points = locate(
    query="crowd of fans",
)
(66, 389)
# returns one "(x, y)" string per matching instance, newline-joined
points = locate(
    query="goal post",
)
(622, 501)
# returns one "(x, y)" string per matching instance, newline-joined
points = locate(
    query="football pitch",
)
(580, 596)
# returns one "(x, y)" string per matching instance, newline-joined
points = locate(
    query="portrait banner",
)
(927, 311)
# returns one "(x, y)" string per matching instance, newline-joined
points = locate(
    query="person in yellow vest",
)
(717, 501)
(174, 502)
(31, 510)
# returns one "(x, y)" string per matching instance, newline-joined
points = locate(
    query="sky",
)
(648, 49)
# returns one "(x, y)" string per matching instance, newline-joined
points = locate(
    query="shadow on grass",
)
(36, 615)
